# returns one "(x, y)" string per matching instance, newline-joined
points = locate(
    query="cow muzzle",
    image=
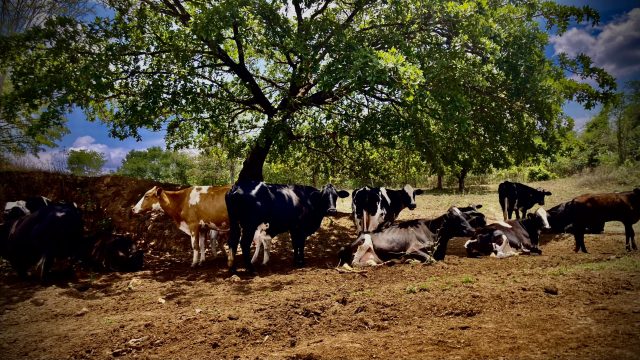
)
(332, 211)
(412, 207)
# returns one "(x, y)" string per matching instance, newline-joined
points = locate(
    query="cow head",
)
(455, 224)
(368, 210)
(328, 198)
(475, 218)
(541, 219)
(538, 195)
(150, 201)
(409, 196)
(117, 253)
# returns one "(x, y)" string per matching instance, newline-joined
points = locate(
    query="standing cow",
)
(519, 197)
(296, 209)
(376, 208)
(194, 210)
(591, 210)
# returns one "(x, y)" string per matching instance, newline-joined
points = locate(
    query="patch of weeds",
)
(468, 279)
(413, 289)
(364, 293)
(108, 320)
(559, 271)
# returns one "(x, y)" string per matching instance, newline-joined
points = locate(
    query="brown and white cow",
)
(195, 210)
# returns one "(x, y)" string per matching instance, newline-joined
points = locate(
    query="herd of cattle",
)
(36, 231)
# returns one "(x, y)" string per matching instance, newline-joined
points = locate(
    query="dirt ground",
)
(557, 305)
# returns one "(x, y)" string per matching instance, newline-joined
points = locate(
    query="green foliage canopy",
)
(403, 74)
(85, 162)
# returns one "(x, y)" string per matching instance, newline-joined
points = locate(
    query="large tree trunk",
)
(461, 177)
(439, 186)
(253, 164)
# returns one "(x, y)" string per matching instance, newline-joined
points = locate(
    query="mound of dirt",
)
(105, 202)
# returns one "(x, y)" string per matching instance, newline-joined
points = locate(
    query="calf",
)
(193, 210)
(53, 232)
(113, 252)
(296, 209)
(376, 208)
(413, 238)
(595, 209)
(501, 237)
(513, 195)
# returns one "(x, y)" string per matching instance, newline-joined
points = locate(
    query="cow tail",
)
(505, 207)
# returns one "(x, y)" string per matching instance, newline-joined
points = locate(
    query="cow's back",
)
(623, 206)
(211, 206)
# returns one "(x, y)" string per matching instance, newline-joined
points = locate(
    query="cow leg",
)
(629, 237)
(579, 236)
(245, 245)
(232, 241)
(202, 247)
(213, 240)
(222, 238)
(297, 241)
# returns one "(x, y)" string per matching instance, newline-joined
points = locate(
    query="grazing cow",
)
(194, 210)
(113, 252)
(475, 218)
(560, 220)
(53, 232)
(590, 210)
(513, 195)
(413, 239)
(376, 208)
(501, 237)
(296, 209)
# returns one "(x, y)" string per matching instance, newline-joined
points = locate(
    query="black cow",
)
(503, 238)
(413, 239)
(112, 252)
(513, 195)
(475, 218)
(561, 220)
(53, 232)
(376, 208)
(296, 209)
(14, 210)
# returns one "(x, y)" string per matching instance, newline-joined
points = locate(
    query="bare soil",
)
(557, 305)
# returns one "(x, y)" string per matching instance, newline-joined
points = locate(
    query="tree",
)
(282, 72)
(157, 164)
(85, 162)
(28, 134)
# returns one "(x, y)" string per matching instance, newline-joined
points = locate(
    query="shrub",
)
(539, 173)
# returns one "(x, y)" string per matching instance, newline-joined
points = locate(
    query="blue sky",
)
(614, 45)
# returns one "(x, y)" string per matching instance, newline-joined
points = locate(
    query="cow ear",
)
(479, 206)
(343, 194)
(418, 191)
(547, 193)
(158, 191)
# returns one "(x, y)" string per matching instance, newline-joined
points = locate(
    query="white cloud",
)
(114, 156)
(614, 46)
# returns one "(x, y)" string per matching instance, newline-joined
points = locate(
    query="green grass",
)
(468, 279)
(624, 264)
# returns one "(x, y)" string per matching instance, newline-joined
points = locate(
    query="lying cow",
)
(296, 209)
(419, 239)
(519, 197)
(505, 238)
(376, 208)
(113, 252)
(595, 209)
(37, 239)
(194, 210)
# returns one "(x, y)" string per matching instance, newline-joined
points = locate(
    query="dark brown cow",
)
(589, 209)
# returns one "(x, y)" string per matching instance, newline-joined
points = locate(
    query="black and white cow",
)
(519, 197)
(506, 238)
(376, 208)
(296, 209)
(14, 210)
(475, 218)
(420, 239)
(53, 232)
